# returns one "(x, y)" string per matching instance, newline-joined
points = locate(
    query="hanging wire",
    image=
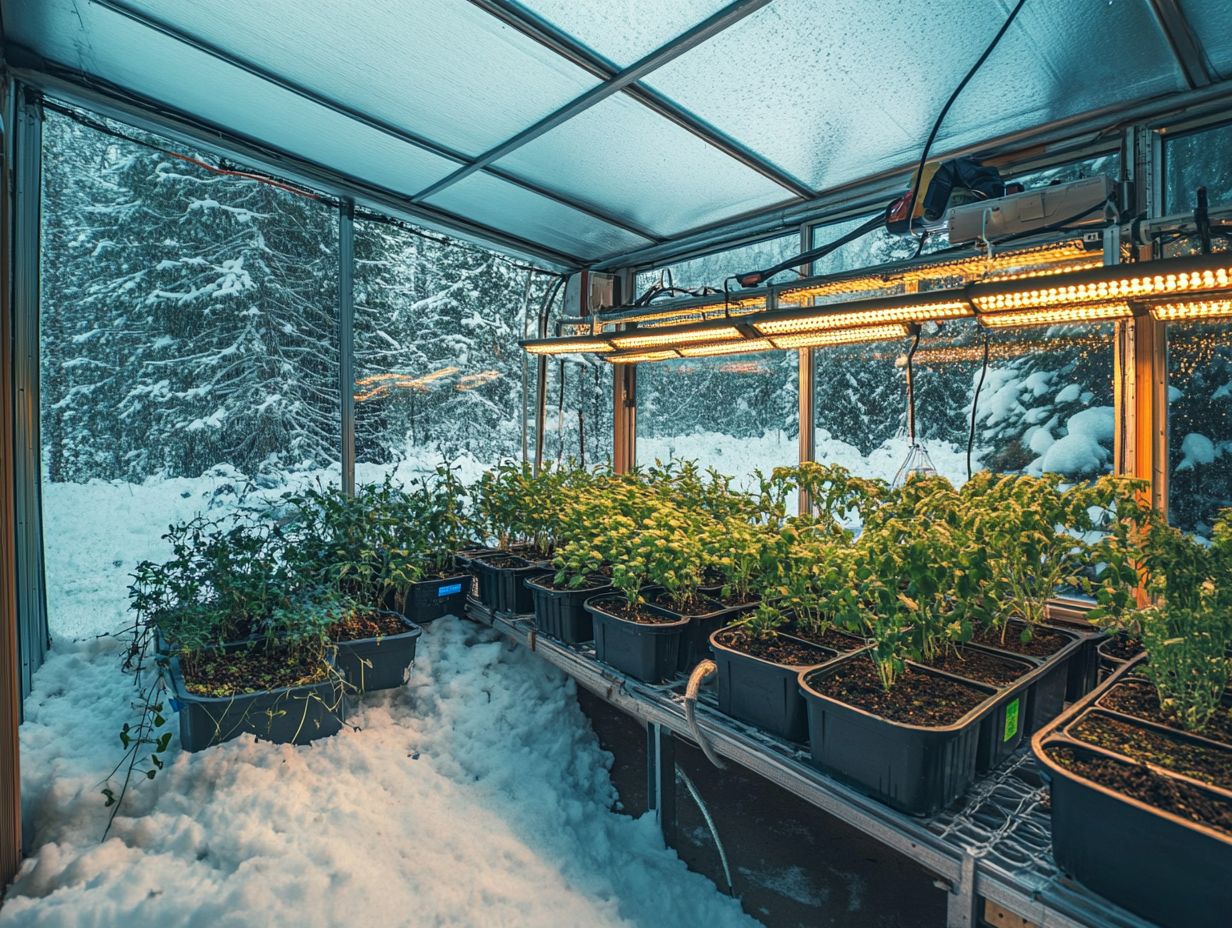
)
(975, 399)
(917, 463)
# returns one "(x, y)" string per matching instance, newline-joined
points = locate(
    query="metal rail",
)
(997, 846)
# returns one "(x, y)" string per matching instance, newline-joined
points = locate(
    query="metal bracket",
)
(962, 904)
(661, 778)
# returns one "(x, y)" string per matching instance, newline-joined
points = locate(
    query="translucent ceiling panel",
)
(1211, 21)
(444, 69)
(624, 31)
(88, 37)
(842, 90)
(510, 208)
(643, 168)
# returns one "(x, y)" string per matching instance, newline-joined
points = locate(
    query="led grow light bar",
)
(1107, 284)
(1091, 312)
(906, 308)
(872, 333)
(637, 357)
(677, 335)
(576, 345)
(1191, 309)
(744, 346)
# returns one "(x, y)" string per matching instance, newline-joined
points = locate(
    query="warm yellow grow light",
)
(872, 333)
(682, 335)
(748, 346)
(1192, 309)
(577, 345)
(871, 312)
(1091, 312)
(637, 357)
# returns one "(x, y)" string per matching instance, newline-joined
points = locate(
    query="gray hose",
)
(700, 673)
(714, 832)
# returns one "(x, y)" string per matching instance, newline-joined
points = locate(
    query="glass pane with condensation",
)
(840, 96)
(103, 44)
(624, 31)
(711, 270)
(443, 69)
(1211, 21)
(643, 168)
(510, 208)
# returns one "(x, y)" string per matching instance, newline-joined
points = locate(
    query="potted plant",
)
(804, 580)
(361, 548)
(883, 718)
(637, 537)
(435, 522)
(581, 570)
(1141, 769)
(516, 507)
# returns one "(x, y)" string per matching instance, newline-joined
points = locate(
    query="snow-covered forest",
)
(189, 328)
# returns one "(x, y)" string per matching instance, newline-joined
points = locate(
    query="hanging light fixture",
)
(872, 333)
(1092, 312)
(1192, 309)
(923, 307)
(581, 344)
(699, 333)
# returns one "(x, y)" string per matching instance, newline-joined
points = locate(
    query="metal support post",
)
(962, 903)
(346, 338)
(624, 397)
(807, 437)
(25, 178)
(661, 778)
(10, 685)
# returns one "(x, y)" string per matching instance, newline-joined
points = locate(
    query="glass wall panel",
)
(578, 424)
(188, 354)
(439, 376)
(1044, 405)
(1197, 159)
(736, 414)
(1199, 423)
(712, 270)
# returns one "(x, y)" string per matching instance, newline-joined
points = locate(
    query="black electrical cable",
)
(915, 343)
(975, 399)
(919, 171)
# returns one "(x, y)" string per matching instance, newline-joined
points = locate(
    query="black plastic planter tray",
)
(1160, 866)
(1002, 730)
(761, 692)
(561, 613)
(1049, 687)
(913, 768)
(428, 600)
(1109, 663)
(648, 652)
(369, 664)
(695, 647)
(501, 588)
(295, 715)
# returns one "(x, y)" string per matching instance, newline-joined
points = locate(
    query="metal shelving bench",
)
(995, 845)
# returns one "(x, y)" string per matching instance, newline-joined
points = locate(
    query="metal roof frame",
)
(801, 204)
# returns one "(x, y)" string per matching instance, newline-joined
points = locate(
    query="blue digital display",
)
(451, 590)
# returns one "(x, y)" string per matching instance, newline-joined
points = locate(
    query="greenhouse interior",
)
(558, 463)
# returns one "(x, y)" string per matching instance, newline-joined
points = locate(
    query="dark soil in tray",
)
(504, 561)
(696, 606)
(1142, 783)
(1172, 752)
(830, 638)
(1122, 647)
(1044, 641)
(916, 699)
(640, 614)
(232, 673)
(733, 601)
(979, 666)
(593, 582)
(1137, 697)
(776, 648)
(360, 625)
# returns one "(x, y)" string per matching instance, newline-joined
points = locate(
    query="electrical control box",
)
(1076, 203)
(587, 293)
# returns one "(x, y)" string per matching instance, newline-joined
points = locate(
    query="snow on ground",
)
(740, 457)
(477, 795)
